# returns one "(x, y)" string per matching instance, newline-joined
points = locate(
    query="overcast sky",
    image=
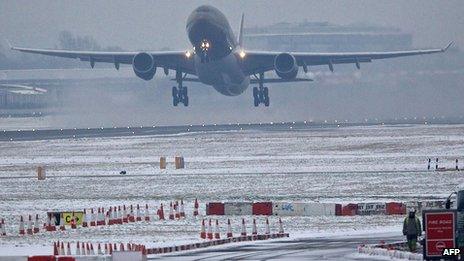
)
(144, 24)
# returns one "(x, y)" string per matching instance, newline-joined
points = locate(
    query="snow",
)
(353, 164)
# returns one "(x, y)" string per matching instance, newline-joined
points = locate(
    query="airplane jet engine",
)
(144, 66)
(285, 66)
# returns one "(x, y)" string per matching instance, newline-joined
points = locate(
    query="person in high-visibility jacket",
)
(412, 229)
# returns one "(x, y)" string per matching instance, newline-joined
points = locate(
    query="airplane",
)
(219, 59)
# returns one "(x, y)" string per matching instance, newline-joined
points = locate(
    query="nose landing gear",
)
(261, 93)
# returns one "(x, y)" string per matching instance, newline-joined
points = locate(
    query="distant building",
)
(22, 97)
(325, 37)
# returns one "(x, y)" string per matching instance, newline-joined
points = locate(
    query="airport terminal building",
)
(326, 37)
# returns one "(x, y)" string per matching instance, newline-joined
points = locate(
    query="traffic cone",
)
(124, 214)
(268, 229)
(55, 249)
(3, 228)
(87, 249)
(99, 250)
(254, 230)
(36, 224)
(21, 226)
(52, 223)
(92, 252)
(131, 214)
(171, 214)
(202, 231)
(161, 212)
(181, 209)
(68, 249)
(62, 227)
(209, 235)
(129, 247)
(216, 231)
(93, 216)
(281, 227)
(78, 250)
(243, 233)
(147, 214)
(110, 216)
(176, 210)
(83, 249)
(62, 252)
(195, 208)
(98, 223)
(139, 217)
(85, 221)
(115, 247)
(103, 217)
(121, 247)
(119, 215)
(107, 251)
(229, 229)
(29, 230)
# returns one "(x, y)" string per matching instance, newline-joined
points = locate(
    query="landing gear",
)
(261, 93)
(180, 93)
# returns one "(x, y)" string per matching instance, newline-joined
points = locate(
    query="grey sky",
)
(144, 24)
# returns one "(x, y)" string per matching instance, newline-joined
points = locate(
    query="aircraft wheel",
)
(174, 91)
(266, 101)
(266, 92)
(175, 101)
(184, 92)
(186, 101)
(255, 92)
(256, 101)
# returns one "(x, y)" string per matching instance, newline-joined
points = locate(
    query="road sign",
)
(440, 232)
(78, 216)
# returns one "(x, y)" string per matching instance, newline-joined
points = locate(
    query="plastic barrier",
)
(215, 208)
(262, 208)
(303, 209)
(238, 208)
(395, 208)
(350, 209)
(370, 208)
(338, 209)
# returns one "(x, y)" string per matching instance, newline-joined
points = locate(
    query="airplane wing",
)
(257, 62)
(164, 59)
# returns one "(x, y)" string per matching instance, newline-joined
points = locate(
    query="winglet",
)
(240, 32)
(448, 46)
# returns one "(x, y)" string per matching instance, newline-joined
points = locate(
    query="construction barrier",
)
(163, 162)
(179, 162)
(371, 208)
(262, 208)
(395, 208)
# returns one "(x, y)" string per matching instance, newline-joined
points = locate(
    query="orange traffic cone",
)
(181, 209)
(229, 229)
(62, 227)
(254, 230)
(121, 247)
(85, 221)
(139, 216)
(176, 210)
(124, 214)
(99, 250)
(110, 216)
(29, 230)
(93, 218)
(55, 249)
(268, 229)
(119, 215)
(171, 214)
(161, 212)
(202, 231)
(209, 235)
(36, 224)
(281, 227)
(78, 250)
(195, 208)
(21, 226)
(131, 214)
(62, 252)
(147, 214)
(216, 231)
(107, 251)
(68, 249)
(92, 252)
(243, 233)
(3, 231)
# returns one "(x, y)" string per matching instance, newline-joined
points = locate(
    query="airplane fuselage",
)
(216, 60)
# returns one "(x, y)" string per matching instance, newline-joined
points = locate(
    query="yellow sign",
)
(78, 217)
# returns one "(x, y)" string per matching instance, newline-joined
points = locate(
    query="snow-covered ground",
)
(351, 164)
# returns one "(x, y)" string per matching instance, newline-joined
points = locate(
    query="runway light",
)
(188, 54)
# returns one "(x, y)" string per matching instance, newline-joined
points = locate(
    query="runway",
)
(332, 248)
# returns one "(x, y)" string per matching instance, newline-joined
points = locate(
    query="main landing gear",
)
(261, 93)
(180, 93)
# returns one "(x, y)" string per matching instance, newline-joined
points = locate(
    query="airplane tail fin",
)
(240, 32)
